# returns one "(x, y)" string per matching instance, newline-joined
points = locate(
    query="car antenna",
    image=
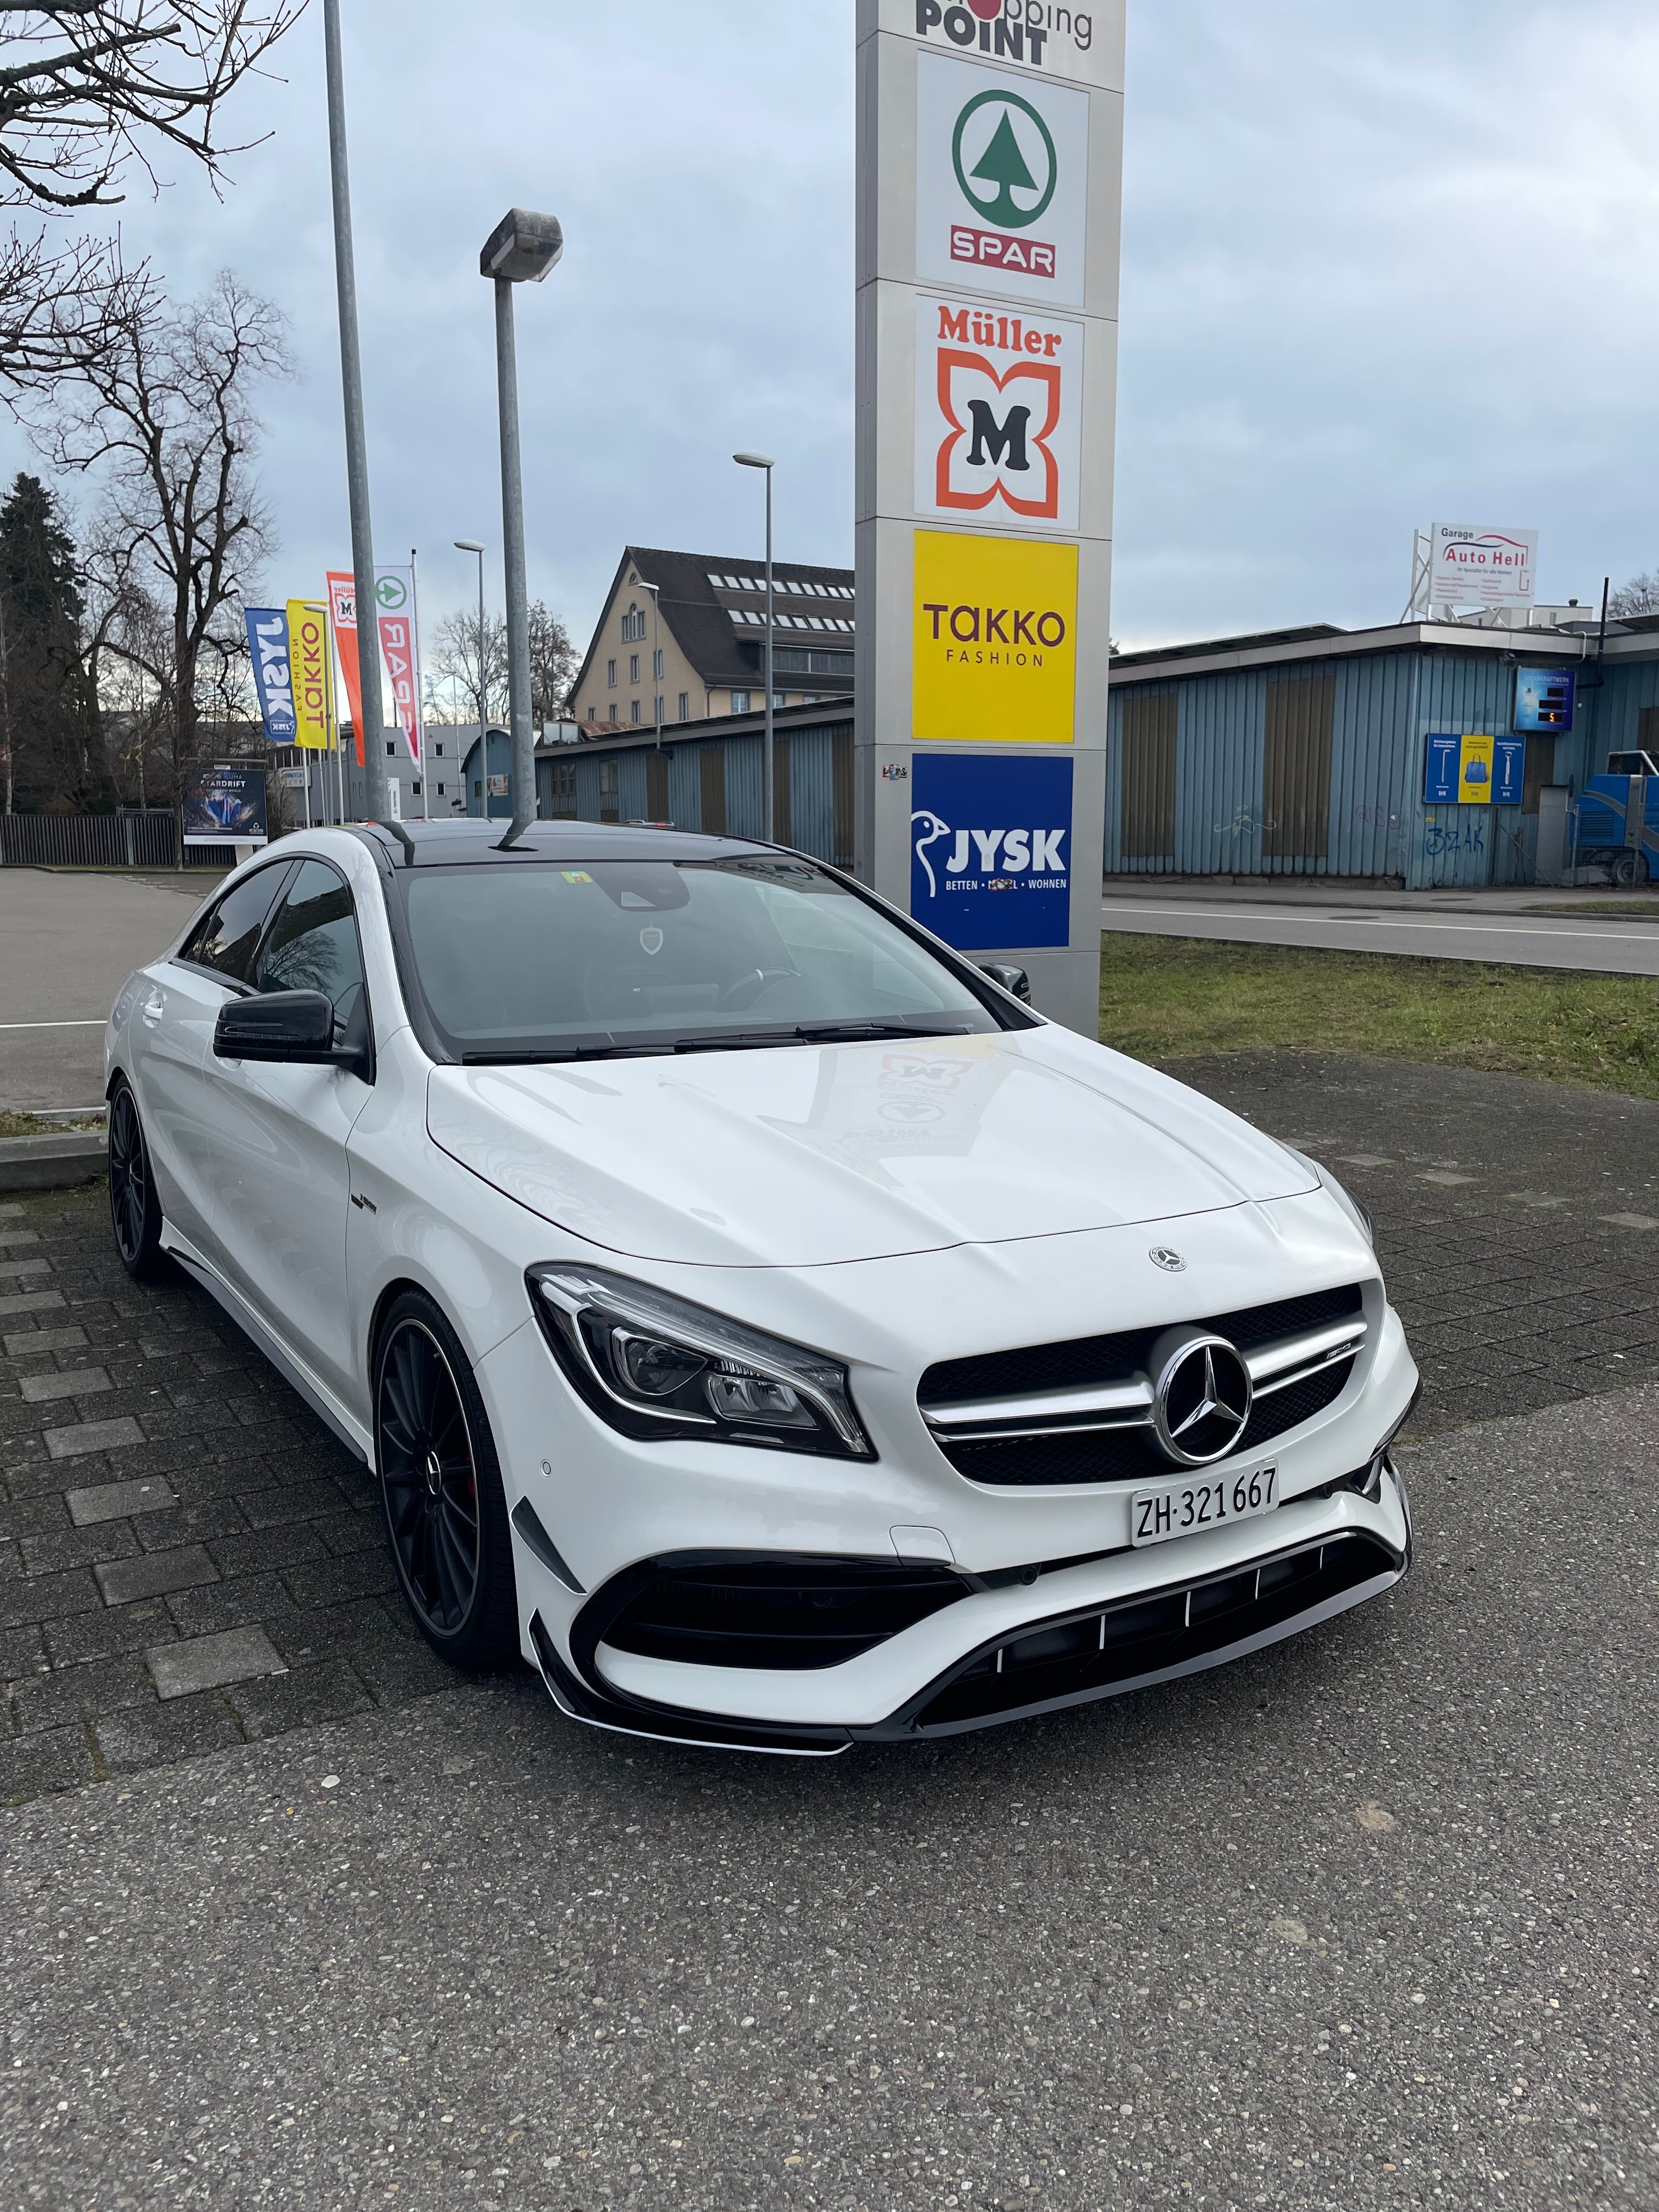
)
(397, 829)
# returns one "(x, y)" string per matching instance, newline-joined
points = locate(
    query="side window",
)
(312, 944)
(227, 938)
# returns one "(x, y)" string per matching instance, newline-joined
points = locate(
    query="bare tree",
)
(454, 664)
(1638, 596)
(166, 419)
(87, 88)
(554, 661)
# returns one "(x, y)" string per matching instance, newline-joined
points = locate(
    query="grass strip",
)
(1168, 998)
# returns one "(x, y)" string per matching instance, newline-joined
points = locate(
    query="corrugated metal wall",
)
(715, 783)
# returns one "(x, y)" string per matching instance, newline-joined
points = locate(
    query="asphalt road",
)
(1367, 1921)
(1607, 945)
(71, 940)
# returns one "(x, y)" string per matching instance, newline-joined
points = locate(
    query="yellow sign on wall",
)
(1474, 771)
(995, 640)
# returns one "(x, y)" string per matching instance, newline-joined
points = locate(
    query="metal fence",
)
(134, 838)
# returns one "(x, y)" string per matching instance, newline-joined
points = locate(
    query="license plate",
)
(1157, 1516)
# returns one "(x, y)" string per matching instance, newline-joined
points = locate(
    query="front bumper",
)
(1065, 1638)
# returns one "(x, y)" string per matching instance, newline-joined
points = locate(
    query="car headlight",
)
(655, 1365)
(1346, 1199)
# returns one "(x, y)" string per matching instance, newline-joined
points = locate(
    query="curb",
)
(53, 1163)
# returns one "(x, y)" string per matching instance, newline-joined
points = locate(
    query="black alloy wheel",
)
(134, 1210)
(440, 1487)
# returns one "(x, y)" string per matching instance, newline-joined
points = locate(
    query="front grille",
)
(1113, 1359)
(1173, 1628)
(795, 1616)
(1076, 1454)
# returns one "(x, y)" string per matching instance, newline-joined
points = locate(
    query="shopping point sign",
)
(998, 414)
(994, 640)
(1048, 35)
(1002, 181)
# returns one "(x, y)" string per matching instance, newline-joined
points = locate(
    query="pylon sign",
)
(989, 163)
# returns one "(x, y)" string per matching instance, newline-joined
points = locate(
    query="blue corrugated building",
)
(1301, 753)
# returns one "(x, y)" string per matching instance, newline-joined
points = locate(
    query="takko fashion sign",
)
(994, 640)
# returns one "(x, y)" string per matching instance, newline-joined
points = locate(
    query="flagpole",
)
(415, 681)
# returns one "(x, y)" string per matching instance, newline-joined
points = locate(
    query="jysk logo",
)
(990, 841)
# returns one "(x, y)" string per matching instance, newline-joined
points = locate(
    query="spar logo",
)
(987, 859)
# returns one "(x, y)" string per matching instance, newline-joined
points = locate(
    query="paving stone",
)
(93, 1437)
(81, 1693)
(48, 1597)
(362, 1530)
(328, 1582)
(1630, 1220)
(23, 1302)
(22, 1651)
(13, 1240)
(101, 1635)
(189, 1524)
(33, 1516)
(11, 1211)
(119, 1501)
(209, 1662)
(35, 1765)
(63, 1383)
(302, 1698)
(313, 1500)
(242, 1603)
(154, 1573)
(21, 1342)
(19, 1271)
(148, 1736)
(57, 1548)
(395, 1674)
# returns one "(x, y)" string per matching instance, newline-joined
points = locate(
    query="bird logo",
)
(935, 829)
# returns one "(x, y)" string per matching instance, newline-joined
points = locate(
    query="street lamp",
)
(521, 249)
(762, 461)
(472, 545)
(656, 652)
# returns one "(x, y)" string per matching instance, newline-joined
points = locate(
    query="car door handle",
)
(153, 1009)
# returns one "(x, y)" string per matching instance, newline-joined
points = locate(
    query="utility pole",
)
(768, 828)
(372, 736)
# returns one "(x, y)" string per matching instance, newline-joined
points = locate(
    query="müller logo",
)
(1014, 30)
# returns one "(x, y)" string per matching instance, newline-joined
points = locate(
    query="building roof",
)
(713, 605)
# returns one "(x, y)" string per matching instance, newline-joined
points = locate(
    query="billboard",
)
(1544, 698)
(979, 884)
(1481, 565)
(273, 682)
(224, 804)
(1472, 768)
(993, 649)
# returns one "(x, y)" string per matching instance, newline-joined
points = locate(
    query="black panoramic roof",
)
(452, 844)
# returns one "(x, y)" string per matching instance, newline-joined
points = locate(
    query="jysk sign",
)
(989, 157)
(1473, 770)
(990, 850)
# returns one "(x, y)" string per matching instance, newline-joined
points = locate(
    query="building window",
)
(685, 707)
(441, 789)
(632, 710)
(633, 668)
(613, 710)
(415, 787)
(477, 788)
(610, 671)
(439, 749)
(656, 665)
(391, 748)
(592, 713)
(739, 702)
(633, 624)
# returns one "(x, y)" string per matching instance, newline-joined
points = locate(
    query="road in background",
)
(1605, 944)
(72, 936)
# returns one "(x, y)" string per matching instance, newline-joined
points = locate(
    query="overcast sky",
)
(1381, 267)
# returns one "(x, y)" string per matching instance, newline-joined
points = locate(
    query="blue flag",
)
(267, 643)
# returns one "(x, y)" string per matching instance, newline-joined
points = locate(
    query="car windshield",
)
(547, 962)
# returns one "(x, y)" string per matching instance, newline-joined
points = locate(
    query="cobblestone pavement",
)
(189, 1560)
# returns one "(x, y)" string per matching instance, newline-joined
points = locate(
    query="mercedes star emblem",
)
(1201, 1396)
(1162, 1256)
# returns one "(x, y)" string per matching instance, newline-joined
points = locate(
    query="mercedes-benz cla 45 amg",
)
(749, 1311)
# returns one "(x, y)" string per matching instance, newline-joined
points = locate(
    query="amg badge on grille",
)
(1162, 1256)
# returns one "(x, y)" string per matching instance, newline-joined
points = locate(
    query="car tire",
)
(440, 1489)
(1624, 872)
(135, 1207)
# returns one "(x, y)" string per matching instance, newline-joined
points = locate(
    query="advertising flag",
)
(343, 612)
(400, 649)
(267, 644)
(313, 682)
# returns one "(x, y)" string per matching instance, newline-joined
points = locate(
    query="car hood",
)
(810, 1155)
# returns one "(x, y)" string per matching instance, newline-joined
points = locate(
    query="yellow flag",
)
(309, 661)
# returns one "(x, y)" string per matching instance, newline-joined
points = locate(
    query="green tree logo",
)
(1002, 164)
(390, 591)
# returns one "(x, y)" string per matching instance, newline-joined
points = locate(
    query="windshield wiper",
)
(852, 1031)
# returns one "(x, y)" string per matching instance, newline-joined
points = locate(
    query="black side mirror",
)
(284, 1026)
(1013, 980)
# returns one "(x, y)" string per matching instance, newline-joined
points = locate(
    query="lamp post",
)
(656, 652)
(371, 736)
(472, 545)
(521, 249)
(762, 461)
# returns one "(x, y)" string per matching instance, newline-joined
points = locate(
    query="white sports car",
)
(751, 1312)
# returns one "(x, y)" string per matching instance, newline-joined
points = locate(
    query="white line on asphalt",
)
(93, 1022)
(1380, 921)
